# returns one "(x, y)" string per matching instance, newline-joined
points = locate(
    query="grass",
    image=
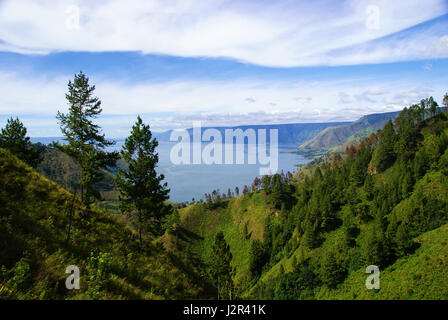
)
(34, 253)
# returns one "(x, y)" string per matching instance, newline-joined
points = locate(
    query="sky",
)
(222, 62)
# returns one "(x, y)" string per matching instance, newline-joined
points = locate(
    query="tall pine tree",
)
(141, 188)
(220, 268)
(85, 141)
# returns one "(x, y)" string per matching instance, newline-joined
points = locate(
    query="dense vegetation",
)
(45, 229)
(34, 219)
(335, 137)
(385, 204)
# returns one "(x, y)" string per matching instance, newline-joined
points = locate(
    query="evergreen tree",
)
(85, 142)
(266, 183)
(332, 273)
(258, 257)
(13, 138)
(369, 186)
(385, 152)
(432, 106)
(375, 251)
(220, 268)
(141, 188)
(403, 240)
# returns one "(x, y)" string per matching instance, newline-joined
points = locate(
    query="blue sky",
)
(221, 62)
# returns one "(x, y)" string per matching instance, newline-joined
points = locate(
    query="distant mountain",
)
(336, 136)
(288, 134)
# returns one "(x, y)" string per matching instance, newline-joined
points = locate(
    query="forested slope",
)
(34, 251)
(384, 203)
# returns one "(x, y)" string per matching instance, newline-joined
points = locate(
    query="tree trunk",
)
(140, 230)
(70, 218)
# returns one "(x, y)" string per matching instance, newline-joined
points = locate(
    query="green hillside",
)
(338, 136)
(384, 204)
(310, 236)
(241, 219)
(34, 252)
(62, 169)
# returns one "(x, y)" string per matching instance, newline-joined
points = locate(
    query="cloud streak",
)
(176, 104)
(278, 33)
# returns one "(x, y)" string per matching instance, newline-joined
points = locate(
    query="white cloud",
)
(369, 94)
(176, 104)
(344, 98)
(409, 97)
(277, 33)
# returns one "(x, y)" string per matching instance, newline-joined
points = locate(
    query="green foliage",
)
(21, 274)
(384, 156)
(34, 254)
(13, 138)
(403, 240)
(332, 272)
(141, 188)
(99, 269)
(258, 257)
(220, 266)
(173, 221)
(85, 142)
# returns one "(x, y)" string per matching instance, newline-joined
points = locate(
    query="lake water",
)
(194, 180)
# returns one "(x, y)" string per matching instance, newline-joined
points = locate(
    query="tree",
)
(85, 141)
(403, 240)
(432, 106)
(13, 138)
(386, 153)
(369, 187)
(141, 189)
(374, 250)
(258, 257)
(220, 268)
(266, 183)
(237, 191)
(332, 273)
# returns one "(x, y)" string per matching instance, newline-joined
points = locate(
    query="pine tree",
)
(13, 138)
(85, 141)
(258, 257)
(386, 154)
(403, 240)
(141, 189)
(220, 268)
(369, 187)
(332, 273)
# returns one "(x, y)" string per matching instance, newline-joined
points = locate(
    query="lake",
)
(194, 180)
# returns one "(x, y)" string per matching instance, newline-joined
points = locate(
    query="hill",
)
(288, 134)
(34, 251)
(385, 204)
(335, 136)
